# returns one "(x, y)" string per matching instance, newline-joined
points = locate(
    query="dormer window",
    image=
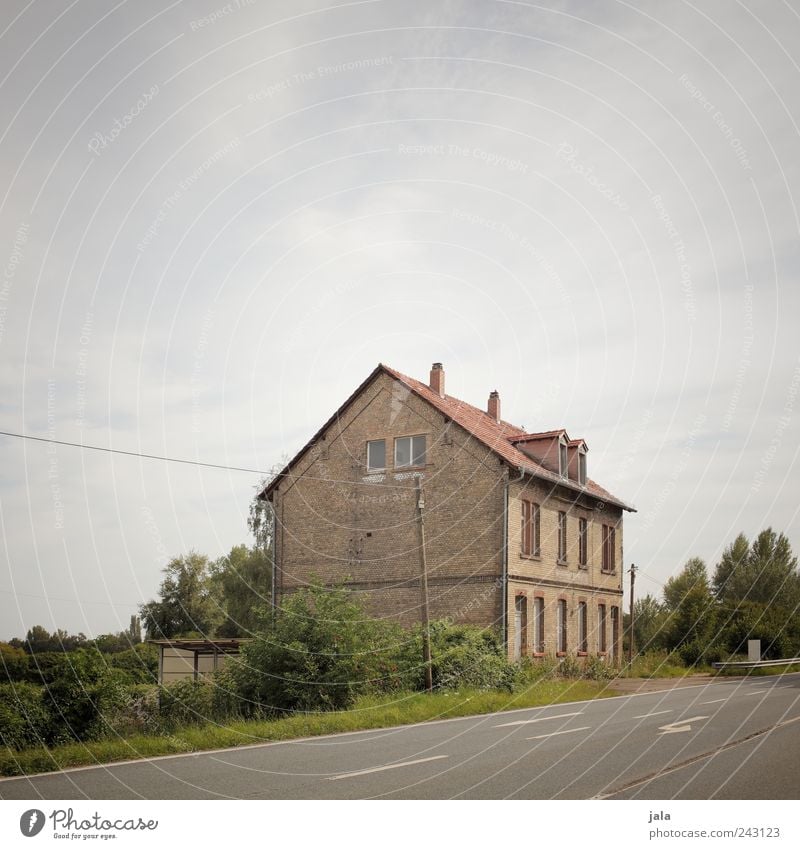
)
(582, 467)
(562, 458)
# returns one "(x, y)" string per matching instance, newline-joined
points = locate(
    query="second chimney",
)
(493, 408)
(437, 379)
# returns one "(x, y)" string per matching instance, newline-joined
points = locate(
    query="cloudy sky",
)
(216, 219)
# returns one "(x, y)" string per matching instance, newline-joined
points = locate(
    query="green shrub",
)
(24, 719)
(186, 702)
(13, 663)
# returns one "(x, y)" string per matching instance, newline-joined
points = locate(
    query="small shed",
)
(179, 659)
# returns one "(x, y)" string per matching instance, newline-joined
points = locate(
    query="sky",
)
(217, 218)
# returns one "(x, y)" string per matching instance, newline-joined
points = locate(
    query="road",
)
(722, 740)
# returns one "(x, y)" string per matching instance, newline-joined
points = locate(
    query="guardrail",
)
(753, 664)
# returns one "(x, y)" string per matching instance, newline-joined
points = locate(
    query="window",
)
(562, 538)
(530, 529)
(601, 628)
(538, 624)
(615, 632)
(583, 542)
(582, 467)
(562, 458)
(409, 451)
(583, 630)
(562, 625)
(609, 547)
(376, 454)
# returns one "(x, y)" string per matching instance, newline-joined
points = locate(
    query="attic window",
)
(562, 458)
(409, 451)
(376, 455)
(582, 467)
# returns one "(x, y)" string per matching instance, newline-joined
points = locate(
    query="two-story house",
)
(516, 535)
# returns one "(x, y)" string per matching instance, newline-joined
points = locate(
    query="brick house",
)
(517, 536)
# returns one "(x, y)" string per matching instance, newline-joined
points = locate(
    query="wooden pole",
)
(426, 622)
(630, 638)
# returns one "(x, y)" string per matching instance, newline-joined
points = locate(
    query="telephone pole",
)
(426, 622)
(630, 638)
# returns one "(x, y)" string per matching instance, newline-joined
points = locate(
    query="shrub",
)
(318, 653)
(186, 702)
(24, 719)
(13, 663)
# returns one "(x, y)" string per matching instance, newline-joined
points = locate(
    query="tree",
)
(649, 620)
(187, 604)
(691, 621)
(13, 663)
(764, 572)
(243, 583)
(261, 520)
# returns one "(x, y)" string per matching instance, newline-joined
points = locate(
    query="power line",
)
(132, 453)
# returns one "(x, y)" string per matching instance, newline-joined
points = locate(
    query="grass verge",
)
(369, 712)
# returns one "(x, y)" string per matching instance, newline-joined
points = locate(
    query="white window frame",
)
(411, 464)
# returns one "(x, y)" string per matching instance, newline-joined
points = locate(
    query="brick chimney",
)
(493, 408)
(437, 379)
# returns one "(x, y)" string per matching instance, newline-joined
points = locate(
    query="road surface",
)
(722, 740)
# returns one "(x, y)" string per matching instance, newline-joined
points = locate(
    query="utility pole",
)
(630, 639)
(426, 622)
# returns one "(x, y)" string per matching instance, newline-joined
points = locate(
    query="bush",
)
(318, 653)
(24, 719)
(462, 656)
(13, 663)
(186, 702)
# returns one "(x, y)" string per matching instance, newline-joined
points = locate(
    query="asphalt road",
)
(726, 740)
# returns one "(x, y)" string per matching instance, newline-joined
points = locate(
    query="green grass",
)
(661, 665)
(369, 712)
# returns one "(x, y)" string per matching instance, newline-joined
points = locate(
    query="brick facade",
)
(337, 519)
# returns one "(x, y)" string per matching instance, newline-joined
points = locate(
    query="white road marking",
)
(657, 713)
(382, 768)
(539, 719)
(756, 692)
(556, 733)
(714, 701)
(680, 725)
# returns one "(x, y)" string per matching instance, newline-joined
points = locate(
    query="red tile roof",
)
(498, 436)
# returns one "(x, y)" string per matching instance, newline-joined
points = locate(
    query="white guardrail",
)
(753, 664)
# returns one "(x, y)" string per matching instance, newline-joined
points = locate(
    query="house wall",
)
(337, 520)
(543, 576)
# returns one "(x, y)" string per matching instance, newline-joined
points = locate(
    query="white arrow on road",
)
(680, 725)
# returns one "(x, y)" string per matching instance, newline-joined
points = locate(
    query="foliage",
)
(24, 719)
(186, 702)
(261, 520)
(186, 600)
(764, 572)
(650, 617)
(13, 663)
(690, 623)
(317, 653)
(139, 664)
(242, 581)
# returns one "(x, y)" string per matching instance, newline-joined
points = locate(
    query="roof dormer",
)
(576, 463)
